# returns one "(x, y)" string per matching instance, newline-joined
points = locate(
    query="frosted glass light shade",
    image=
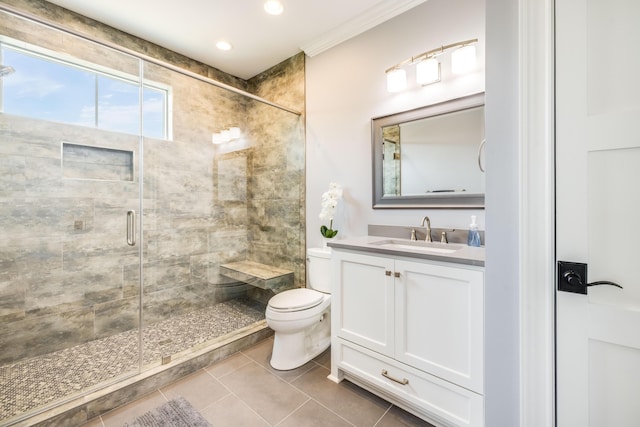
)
(463, 60)
(396, 80)
(234, 132)
(226, 135)
(428, 71)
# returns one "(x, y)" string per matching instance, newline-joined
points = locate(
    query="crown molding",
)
(378, 14)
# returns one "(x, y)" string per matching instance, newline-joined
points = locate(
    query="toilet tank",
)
(319, 260)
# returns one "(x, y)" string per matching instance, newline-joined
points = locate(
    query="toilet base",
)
(292, 350)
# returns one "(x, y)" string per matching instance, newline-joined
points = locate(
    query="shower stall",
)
(130, 241)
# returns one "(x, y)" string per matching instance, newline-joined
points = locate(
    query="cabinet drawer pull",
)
(403, 381)
(387, 273)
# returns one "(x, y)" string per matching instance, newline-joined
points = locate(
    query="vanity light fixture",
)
(396, 79)
(428, 71)
(234, 132)
(463, 60)
(226, 135)
(216, 138)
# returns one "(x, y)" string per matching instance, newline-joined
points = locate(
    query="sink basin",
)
(417, 246)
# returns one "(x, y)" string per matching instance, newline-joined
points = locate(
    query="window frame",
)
(97, 70)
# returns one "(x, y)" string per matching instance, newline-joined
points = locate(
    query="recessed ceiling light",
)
(223, 45)
(273, 7)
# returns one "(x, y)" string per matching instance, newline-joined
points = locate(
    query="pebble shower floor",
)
(36, 382)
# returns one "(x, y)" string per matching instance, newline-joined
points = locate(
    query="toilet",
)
(301, 318)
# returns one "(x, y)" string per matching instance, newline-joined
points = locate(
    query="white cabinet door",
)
(439, 321)
(363, 301)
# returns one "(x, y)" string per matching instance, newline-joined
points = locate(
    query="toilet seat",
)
(295, 300)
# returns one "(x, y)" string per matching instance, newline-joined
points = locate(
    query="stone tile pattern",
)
(67, 276)
(65, 268)
(277, 170)
(39, 381)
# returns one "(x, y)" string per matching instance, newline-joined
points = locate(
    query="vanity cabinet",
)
(411, 330)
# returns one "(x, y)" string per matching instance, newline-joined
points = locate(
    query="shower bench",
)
(259, 275)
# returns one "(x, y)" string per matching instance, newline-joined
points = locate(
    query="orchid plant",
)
(329, 204)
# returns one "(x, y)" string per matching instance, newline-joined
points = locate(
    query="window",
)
(48, 88)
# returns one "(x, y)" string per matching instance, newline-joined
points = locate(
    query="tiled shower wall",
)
(66, 275)
(276, 194)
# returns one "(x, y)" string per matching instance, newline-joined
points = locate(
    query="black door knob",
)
(572, 277)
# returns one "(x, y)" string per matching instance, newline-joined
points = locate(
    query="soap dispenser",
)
(474, 235)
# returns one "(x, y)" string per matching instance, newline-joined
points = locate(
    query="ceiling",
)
(259, 40)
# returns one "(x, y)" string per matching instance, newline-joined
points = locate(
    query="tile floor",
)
(35, 382)
(243, 390)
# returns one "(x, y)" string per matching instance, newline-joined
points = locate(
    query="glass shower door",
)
(223, 196)
(69, 254)
(188, 226)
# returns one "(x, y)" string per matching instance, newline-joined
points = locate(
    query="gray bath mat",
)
(177, 412)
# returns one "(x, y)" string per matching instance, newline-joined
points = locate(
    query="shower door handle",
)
(131, 228)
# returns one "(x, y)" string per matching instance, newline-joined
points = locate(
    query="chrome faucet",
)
(426, 219)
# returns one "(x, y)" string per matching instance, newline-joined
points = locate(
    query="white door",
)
(598, 210)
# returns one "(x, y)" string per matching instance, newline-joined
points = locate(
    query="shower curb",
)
(83, 409)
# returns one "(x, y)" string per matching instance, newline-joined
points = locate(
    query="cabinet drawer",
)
(427, 396)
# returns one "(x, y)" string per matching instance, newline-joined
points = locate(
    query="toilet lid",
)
(296, 299)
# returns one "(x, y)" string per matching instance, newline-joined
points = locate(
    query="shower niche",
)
(89, 162)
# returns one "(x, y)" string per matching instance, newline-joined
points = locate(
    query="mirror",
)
(430, 156)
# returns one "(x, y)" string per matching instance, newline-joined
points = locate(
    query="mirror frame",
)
(439, 200)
